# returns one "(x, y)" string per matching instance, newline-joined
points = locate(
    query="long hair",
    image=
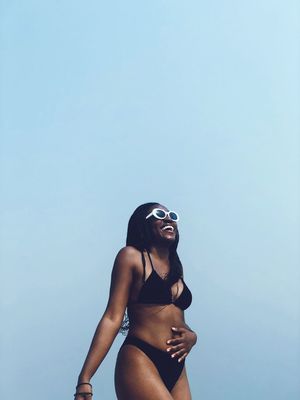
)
(140, 236)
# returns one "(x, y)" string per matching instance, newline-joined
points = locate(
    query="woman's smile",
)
(168, 228)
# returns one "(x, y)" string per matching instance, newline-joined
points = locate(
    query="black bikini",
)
(157, 290)
(168, 368)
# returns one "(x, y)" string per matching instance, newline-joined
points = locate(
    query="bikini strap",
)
(144, 266)
(150, 260)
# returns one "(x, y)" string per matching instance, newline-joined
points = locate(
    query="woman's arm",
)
(109, 325)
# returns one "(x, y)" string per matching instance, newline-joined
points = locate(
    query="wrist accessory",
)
(83, 383)
(84, 394)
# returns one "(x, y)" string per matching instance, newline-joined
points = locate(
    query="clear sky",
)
(106, 105)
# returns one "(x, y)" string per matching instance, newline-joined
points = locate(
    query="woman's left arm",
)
(180, 346)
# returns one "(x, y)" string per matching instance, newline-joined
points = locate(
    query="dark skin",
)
(163, 326)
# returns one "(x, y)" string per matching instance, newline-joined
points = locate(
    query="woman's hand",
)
(180, 346)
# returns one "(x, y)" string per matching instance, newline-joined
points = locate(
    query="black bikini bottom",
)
(169, 368)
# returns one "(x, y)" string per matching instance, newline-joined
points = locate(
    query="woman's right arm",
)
(109, 325)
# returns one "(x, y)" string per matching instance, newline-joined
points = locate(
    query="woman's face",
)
(164, 230)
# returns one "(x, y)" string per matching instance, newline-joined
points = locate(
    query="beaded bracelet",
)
(84, 394)
(83, 383)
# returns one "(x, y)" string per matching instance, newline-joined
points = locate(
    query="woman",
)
(147, 278)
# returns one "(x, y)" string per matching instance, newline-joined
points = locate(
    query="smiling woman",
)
(147, 279)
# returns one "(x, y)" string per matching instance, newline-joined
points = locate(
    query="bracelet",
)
(83, 383)
(84, 394)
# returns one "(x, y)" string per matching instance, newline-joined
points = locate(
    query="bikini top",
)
(157, 290)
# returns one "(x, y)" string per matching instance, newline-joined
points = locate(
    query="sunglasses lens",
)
(160, 213)
(173, 216)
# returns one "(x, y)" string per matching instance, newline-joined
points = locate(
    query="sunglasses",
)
(162, 214)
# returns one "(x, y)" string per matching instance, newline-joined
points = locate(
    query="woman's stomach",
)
(152, 322)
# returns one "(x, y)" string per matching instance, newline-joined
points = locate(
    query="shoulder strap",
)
(144, 266)
(150, 260)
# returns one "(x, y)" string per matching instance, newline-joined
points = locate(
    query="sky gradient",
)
(107, 105)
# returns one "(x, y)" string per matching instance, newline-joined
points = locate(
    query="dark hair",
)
(140, 236)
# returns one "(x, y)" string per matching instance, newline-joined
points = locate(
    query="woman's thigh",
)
(136, 377)
(181, 390)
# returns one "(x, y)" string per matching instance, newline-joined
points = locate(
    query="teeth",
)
(168, 227)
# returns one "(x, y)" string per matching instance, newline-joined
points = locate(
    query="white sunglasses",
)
(162, 214)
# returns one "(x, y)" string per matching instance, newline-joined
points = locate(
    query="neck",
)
(161, 252)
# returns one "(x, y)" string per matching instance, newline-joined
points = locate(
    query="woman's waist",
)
(157, 339)
(155, 312)
(155, 328)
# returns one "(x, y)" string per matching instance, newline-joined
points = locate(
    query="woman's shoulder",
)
(129, 254)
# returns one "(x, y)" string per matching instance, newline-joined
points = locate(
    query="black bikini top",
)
(157, 290)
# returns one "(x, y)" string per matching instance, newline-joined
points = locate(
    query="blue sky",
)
(106, 105)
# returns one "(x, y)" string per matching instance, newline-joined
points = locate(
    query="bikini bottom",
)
(168, 368)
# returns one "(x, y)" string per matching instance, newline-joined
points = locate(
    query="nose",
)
(168, 219)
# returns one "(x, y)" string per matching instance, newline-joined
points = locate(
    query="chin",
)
(169, 240)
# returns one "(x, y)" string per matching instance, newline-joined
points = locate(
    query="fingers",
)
(178, 330)
(173, 349)
(177, 351)
(174, 342)
(180, 355)
(179, 346)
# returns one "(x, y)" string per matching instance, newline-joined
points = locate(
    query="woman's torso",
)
(156, 304)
